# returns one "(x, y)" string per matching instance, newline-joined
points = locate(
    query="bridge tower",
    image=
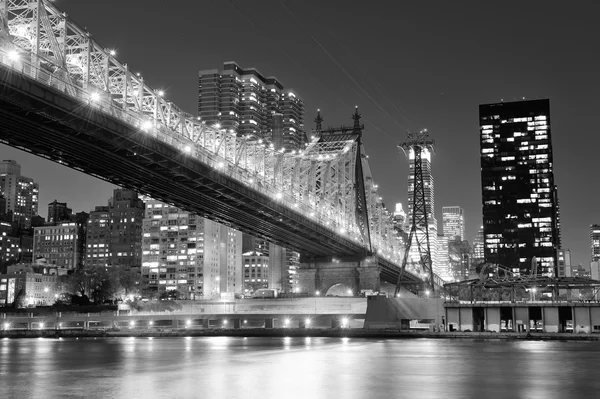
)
(416, 145)
(360, 272)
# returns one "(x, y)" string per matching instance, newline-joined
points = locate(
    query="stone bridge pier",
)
(322, 274)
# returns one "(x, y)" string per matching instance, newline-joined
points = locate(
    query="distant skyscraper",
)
(595, 242)
(453, 222)
(245, 101)
(478, 255)
(20, 192)
(58, 212)
(520, 207)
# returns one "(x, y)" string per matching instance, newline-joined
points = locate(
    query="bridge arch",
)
(340, 289)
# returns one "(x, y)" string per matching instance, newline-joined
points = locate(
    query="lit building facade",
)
(126, 213)
(181, 251)
(10, 247)
(62, 245)
(32, 285)
(256, 271)
(20, 193)
(595, 242)
(453, 222)
(520, 206)
(563, 258)
(98, 238)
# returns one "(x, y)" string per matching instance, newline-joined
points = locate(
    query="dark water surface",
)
(222, 367)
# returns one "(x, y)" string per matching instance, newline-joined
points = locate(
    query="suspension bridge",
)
(66, 98)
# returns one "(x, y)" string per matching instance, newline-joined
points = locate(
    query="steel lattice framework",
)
(419, 232)
(329, 181)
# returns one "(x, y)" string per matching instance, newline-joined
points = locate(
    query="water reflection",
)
(286, 367)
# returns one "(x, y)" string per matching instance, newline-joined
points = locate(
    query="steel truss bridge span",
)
(66, 98)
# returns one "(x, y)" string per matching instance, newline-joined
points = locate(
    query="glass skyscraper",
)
(520, 204)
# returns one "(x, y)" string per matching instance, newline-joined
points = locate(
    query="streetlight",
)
(6, 326)
(344, 322)
(131, 324)
(287, 322)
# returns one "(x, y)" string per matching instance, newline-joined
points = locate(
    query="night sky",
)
(407, 66)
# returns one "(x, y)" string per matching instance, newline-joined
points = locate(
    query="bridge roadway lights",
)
(319, 275)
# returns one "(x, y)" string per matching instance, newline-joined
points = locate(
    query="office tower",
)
(61, 245)
(443, 261)
(453, 222)
(183, 252)
(98, 237)
(595, 242)
(58, 212)
(429, 208)
(520, 208)
(478, 253)
(126, 212)
(245, 101)
(20, 192)
(459, 258)
(399, 221)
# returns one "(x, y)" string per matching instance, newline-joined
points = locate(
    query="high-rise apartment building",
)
(428, 188)
(20, 193)
(98, 237)
(197, 257)
(249, 103)
(520, 207)
(58, 212)
(126, 213)
(595, 242)
(453, 222)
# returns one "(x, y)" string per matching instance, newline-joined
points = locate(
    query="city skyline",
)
(540, 71)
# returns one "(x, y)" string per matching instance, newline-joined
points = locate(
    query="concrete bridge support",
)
(319, 275)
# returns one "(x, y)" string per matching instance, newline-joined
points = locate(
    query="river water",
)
(223, 367)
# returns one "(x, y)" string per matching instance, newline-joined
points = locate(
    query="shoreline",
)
(298, 332)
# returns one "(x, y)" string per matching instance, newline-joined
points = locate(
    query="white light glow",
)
(95, 96)
(13, 55)
(146, 125)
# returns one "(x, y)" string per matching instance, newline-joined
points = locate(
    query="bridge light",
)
(278, 195)
(135, 93)
(41, 326)
(95, 96)
(307, 322)
(160, 93)
(221, 165)
(112, 52)
(13, 55)
(344, 322)
(146, 125)
(342, 231)
(296, 205)
(312, 214)
(217, 125)
(187, 149)
(251, 181)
